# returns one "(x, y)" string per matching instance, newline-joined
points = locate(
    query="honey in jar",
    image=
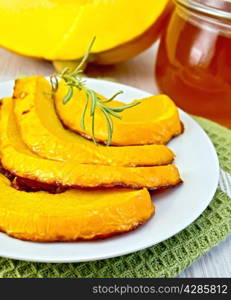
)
(194, 59)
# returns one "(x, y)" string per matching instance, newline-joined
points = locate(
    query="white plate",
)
(175, 209)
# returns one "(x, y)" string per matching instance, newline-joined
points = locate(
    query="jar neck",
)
(217, 9)
(206, 17)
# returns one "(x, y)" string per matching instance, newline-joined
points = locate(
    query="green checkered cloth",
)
(167, 259)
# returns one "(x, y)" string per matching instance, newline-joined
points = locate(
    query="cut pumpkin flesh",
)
(154, 121)
(43, 133)
(72, 215)
(20, 161)
(68, 26)
(126, 50)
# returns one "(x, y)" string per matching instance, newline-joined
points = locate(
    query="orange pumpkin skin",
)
(72, 215)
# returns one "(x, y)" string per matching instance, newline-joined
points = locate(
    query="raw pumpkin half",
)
(57, 29)
(20, 161)
(72, 215)
(154, 121)
(43, 133)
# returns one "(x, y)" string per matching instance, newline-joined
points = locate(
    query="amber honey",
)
(194, 63)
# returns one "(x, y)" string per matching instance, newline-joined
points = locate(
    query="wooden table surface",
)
(138, 72)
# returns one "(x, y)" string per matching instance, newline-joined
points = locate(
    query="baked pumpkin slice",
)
(44, 134)
(154, 121)
(20, 161)
(72, 215)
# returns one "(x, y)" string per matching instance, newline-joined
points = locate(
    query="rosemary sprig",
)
(74, 80)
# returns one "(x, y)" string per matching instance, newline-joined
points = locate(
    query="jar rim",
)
(204, 9)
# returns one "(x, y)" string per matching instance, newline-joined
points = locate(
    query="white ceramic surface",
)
(175, 208)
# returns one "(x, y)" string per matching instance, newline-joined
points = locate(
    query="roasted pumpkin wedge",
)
(19, 160)
(154, 121)
(72, 215)
(43, 133)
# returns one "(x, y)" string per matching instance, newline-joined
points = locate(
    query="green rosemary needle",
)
(74, 80)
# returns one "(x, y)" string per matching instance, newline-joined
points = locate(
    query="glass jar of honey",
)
(194, 58)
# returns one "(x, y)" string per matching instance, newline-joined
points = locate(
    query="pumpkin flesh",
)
(68, 26)
(126, 50)
(72, 215)
(154, 121)
(20, 161)
(43, 133)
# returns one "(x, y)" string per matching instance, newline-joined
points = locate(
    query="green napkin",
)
(166, 259)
